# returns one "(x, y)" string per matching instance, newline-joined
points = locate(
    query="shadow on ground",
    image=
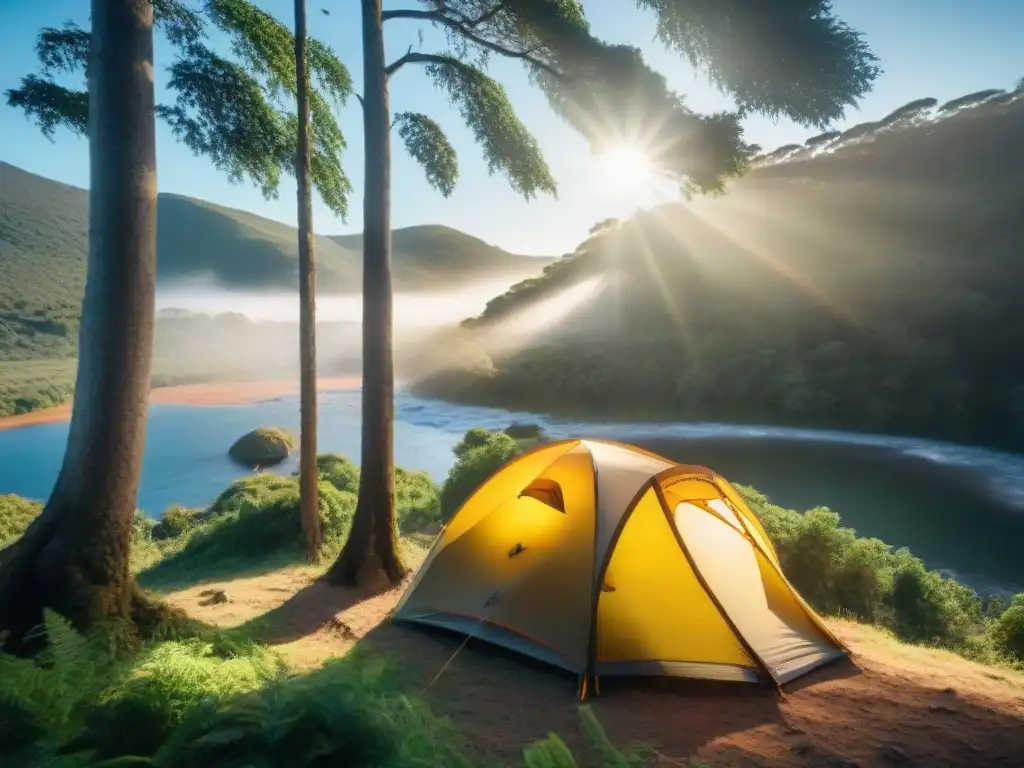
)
(866, 714)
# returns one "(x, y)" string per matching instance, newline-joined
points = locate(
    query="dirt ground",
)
(212, 393)
(893, 705)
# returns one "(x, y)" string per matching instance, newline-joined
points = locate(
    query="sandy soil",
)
(894, 705)
(214, 393)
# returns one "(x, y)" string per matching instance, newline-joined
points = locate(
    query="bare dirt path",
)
(896, 705)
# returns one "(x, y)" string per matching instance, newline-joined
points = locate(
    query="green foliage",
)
(239, 114)
(507, 145)
(339, 472)
(478, 456)
(255, 523)
(427, 145)
(15, 515)
(695, 318)
(827, 67)
(263, 446)
(1007, 631)
(841, 573)
(221, 702)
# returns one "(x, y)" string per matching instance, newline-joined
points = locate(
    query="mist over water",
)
(412, 310)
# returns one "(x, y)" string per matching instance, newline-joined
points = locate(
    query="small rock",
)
(803, 747)
(263, 447)
(214, 597)
(334, 624)
(942, 709)
(792, 730)
(951, 691)
(894, 754)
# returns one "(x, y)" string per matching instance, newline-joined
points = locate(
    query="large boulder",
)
(263, 447)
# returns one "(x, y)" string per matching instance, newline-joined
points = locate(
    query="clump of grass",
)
(15, 515)
(254, 524)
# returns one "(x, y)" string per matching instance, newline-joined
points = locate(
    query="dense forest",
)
(872, 282)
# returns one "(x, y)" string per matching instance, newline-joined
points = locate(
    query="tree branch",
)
(415, 58)
(463, 28)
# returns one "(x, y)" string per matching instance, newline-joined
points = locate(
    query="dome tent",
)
(604, 559)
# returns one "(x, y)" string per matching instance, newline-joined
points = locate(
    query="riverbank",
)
(205, 394)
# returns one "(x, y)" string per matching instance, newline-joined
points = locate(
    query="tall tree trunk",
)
(307, 301)
(74, 557)
(370, 555)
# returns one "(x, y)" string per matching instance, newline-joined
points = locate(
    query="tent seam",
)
(754, 655)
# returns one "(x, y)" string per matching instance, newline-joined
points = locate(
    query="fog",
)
(206, 332)
(412, 311)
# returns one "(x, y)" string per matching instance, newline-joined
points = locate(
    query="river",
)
(959, 508)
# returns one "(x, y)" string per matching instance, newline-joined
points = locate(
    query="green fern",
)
(550, 752)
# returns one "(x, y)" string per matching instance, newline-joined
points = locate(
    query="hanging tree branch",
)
(466, 31)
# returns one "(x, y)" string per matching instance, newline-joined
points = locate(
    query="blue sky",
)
(939, 48)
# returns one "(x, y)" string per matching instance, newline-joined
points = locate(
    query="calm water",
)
(960, 508)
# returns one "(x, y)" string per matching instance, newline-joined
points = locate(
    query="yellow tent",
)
(605, 559)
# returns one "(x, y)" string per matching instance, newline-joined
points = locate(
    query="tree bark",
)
(74, 557)
(308, 503)
(370, 555)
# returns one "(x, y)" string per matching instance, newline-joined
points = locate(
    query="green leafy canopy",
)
(780, 58)
(239, 113)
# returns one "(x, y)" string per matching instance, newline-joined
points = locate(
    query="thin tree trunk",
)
(74, 557)
(307, 302)
(370, 555)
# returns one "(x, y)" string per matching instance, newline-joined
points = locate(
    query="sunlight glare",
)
(625, 166)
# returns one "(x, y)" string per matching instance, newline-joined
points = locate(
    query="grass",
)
(220, 698)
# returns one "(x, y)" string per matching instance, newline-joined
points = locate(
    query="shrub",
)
(256, 522)
(187, 703)
(177, 521)
(339, 471)
(1007, 632)
(479, 454)
(16, 514)
(839, 572)
(417, 498)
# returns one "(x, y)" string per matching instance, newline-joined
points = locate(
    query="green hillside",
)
(434, 255)
(43, 242)
(874, 287)
(43, 249)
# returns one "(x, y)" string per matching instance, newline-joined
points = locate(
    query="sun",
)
(625, 166)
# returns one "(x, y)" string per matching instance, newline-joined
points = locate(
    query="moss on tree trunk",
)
(371, 553)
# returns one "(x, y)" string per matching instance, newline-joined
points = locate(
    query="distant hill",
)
(43, 244)
(877, 285)
(43, 250)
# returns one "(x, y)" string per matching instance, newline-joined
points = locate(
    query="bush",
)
(177, 521)
(16, 514)
(841, 573)
(256, 520)
(479, 455)
(187, 703)
(1007, 631)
